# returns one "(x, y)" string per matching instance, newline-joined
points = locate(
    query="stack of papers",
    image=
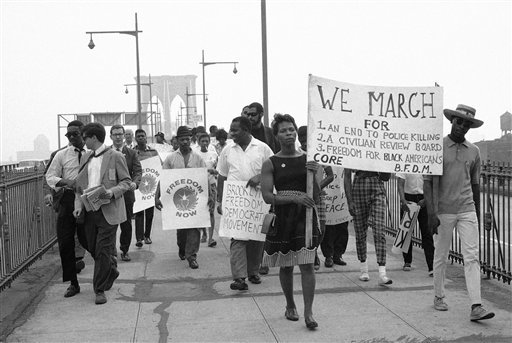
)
(92, 198)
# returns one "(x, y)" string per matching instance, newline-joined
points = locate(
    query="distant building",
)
(41, 150)
(500, 149)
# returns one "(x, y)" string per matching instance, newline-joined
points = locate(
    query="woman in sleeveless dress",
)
(286, 171)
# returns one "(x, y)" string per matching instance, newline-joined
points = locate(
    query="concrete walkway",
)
(158, 298)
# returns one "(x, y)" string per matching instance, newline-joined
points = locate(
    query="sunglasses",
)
(466, 123)
(72, 134)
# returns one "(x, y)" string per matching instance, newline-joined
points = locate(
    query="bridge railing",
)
(494, 225)
(28, 228)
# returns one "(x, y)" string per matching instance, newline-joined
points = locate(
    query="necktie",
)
(79, 154)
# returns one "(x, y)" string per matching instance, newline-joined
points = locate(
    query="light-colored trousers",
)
(467, 228)
(245, 258)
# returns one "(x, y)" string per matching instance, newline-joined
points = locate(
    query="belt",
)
(413, 197)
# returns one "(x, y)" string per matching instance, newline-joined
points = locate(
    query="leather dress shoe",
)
(193, 264)
(255, 279)
(239, 284)
(339, 261)
(329, 262)
(100, 298)
(125, 257)
(71, 291)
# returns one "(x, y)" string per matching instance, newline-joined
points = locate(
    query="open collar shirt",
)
(65, 165)
(94, 167)
(413, 183)
(238, 165)
(176, 160)
(145, 153)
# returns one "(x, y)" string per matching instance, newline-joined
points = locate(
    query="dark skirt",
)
(288, 247)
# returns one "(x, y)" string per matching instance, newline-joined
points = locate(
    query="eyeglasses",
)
(72, 134)
(466, 123)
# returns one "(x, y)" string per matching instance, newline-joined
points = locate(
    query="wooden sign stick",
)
(309, 211)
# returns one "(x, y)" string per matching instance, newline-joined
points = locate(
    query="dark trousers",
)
(101, 241)
(188, 242)
(335, 240)
(125, 238)
(66, 229)
(141, 230)
(427, 240)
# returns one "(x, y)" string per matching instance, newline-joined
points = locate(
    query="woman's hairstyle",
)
(281, 118)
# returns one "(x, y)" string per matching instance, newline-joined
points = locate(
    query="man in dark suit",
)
(102, 166)
(132, 161)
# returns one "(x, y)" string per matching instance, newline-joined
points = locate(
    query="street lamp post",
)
(134, 33)
(205, 98)
(204, 64)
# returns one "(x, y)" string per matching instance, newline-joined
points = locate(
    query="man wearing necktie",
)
(102, 166)
(117, 133)
(60, 177)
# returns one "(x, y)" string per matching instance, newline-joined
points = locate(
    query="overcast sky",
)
(47, 68)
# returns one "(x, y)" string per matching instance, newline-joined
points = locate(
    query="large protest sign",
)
(336, 206)
(243, 210)
(145, 194)
(387, 129)
(408, 222)
(184, 196)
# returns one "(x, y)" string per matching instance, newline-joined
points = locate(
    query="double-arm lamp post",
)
(204, 64)
(134, 33)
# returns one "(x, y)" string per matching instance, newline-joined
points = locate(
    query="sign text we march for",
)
(243, 210)
(387, 129)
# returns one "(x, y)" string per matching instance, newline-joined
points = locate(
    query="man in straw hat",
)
(453, 200)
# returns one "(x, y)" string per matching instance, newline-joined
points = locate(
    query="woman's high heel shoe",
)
(291, 314)
(311, 323)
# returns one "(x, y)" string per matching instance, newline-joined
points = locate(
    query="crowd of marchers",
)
(270, 159)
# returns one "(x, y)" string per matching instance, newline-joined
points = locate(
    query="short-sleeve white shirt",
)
(413, 183)
(238, 165)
